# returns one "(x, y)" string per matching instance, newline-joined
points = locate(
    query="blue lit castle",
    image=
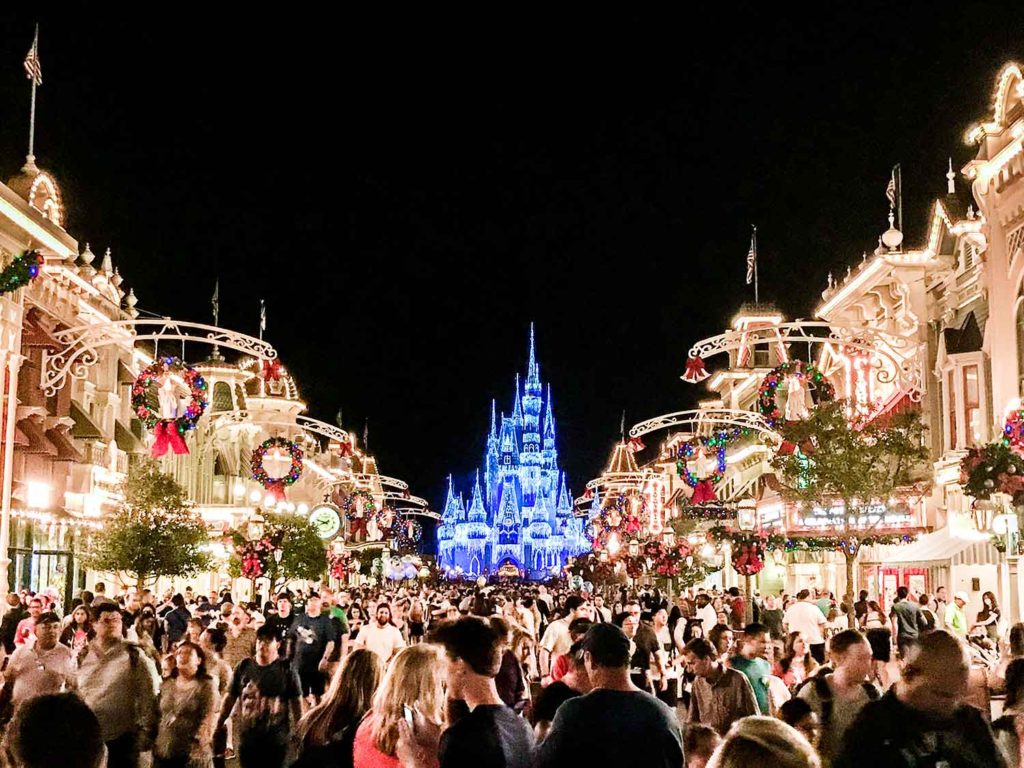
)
(520, 521)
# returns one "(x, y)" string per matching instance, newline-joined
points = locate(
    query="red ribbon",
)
(636, 445)
(357, 526)
(787, 448)
(271, 370)
(588, 494)
(695, 370)
(705, 491)
(276, 489)
(345, 448)
(168, 436)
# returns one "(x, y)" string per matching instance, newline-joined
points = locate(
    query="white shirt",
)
(384, 641)
(36, 672)
(805, 618)
(708, 616)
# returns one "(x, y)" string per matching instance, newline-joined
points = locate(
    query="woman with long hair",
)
(325, 734)
(875, 617)
(414, 679)
(187, 713)
(1008, 727)
(355, 621)
(796, 663)
(79, 632)
(764, 741)
(988, 616)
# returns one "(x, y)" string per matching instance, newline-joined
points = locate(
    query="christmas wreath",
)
(406, 533)
(622, 517)
(747, 560)
(146, 401)
(359, 508)
(704, 487)
(21, 271)
(820, 387)
(276, 485)
(1013, 430)
(995, 468)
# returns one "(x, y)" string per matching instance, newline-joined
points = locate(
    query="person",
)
(860, 608)
(1008, 727)
(601, 612)
(798, 713)
(577, 629)
(55, 730)
(927, 614)
(78, 632)
(9, 624)
(720, 696)
(415, 678)
(737, 609)
(874, 616)
(764, 741)
(24, 633)
(572, 684)
(241, 637)
(706, 612)
(988, 617)
(119, 683)
(923, 720)
(313, 636)
(664, 674)
(722, 638)
(269, 694)
(282, 622)
(188, 709)
(511, 680)
(803, 616)
(796, 663)
(906, 618)
(39, 668)
(616, 723)
(325, 735)
(885, 670)
(381, 636)
(771, 617)
(940, 607)
(750, 661)
(212, 641)
(556, 639)
(699, 744)
(838, 697)
(955, 621)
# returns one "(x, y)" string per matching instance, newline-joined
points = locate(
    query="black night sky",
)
(408, 193)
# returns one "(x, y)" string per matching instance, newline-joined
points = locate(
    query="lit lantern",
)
(746, 515)
(254, 529)
(634, 548)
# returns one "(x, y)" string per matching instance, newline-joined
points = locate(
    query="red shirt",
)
(364, 751)
(560, 667)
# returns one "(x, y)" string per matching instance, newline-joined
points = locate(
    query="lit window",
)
(951, 420)
(972, 405)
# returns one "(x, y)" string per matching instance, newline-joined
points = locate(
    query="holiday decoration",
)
(158, 406)
(747, 560)
(280, 450)
(21, 271)
(636, 445)
(624, 518)
(360, 511)
(695, 370)
(340, 565)
(706, 511)
(994, 468)
(766, 541)
(798, 376)
(704, 487)
(271, 370)
(406, 533)
(1013, 430)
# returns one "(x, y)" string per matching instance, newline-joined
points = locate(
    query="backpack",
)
(824, 692)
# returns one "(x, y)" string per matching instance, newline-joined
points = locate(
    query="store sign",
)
(877, 515)
(326, 520)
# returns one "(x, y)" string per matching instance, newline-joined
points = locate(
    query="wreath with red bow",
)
(276, 485)
(747, 559)
(820, 387)
(145, 400)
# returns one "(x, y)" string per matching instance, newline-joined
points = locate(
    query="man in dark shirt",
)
(281, 622)
(645, 648)
(907, 621)
(313, 638)
(491, 735)
(614, 724)
(923, 720)
(9, 625)
(860, 608)
(176, 621)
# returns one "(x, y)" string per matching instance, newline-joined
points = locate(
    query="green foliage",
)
(302, 550)
(154, 533)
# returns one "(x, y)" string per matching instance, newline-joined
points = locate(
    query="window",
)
(951, 410)
(972, 406)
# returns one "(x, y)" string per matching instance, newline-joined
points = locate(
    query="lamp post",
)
(254, 532)
(746, 519)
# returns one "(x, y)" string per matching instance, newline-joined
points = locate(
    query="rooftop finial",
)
(950, 178)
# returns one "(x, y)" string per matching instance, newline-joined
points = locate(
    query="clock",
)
(326, 520)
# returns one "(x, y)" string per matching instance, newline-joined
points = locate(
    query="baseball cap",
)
(961, 595)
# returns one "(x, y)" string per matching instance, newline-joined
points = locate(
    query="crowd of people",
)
(509, 676)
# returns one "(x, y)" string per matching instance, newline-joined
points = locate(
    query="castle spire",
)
(549, 419)
(494, 423)
(532, 369)
(517, 408)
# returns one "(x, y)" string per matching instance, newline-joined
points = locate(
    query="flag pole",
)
(899, 197)
(32, 113)
(757, 299)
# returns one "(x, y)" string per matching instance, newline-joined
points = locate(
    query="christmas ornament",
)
(406, 533)
(271, 370)
(22, 270)
(801, 379)
(994, 468)
(158, 406)
(695, 370)
(1013, 430)
(281, 450)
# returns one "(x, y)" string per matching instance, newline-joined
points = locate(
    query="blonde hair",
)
(347, 700)
(764, 741)
(414, 678)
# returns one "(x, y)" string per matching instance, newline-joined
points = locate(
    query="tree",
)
(855, 463)
(155, 532)
(302, 552)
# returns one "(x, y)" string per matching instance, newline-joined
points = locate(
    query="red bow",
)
(276, 489)
(358, 525)
(345, 448)
(705, 491)
(695, 370)
(588, 494)
(636, 445)
(168, 436)
(787, 448)
(271, 370)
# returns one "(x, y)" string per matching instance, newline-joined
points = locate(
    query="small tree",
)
(302, 551)
(837, 459)
(155, 532)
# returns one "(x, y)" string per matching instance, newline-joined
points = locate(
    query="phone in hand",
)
(410, 716)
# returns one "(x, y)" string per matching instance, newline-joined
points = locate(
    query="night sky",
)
(409, 193)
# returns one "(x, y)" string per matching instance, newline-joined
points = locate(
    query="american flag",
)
(33, 68)
(751, 260)
(263, 316)
(890, 190)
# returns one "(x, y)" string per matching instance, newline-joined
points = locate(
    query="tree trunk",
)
(140, 582)
(851, 588)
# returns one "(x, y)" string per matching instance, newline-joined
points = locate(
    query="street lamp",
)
(254, 528)
(278, 554)
(746, 515)
(634, 548)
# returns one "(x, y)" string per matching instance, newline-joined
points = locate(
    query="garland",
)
(765, 540)
(706, 512)
(821, 388)
(406, 533)
(276, 485)
(704, 487)
(994, 468)
(168, 431)
(22, 270)
(617, 519)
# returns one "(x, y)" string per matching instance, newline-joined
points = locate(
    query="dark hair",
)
(794, 710)
(1014, 683)
(201, 672)
(608, 646)
(267, 632)
(923, 600)
(843, 641)
(863, 594)
(901, 593)
(178, 601)
(755, 629)
(1017, 640)
(572, 602)
(702, 648)
(715, 635)
(803, 594)
(880, 640)
(48, 617)
(579, 627)
(700, 740)
(87, 597)
(45, 725)
(218, 638)
(789, 653)
(473, 640)
(104, 607)
(986, 610)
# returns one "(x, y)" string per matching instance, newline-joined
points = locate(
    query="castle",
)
(520, 521)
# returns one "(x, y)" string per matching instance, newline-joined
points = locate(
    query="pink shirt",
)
(24, 631)
(365, 753)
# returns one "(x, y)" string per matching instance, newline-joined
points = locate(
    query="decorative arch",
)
(44, 196)
(1008, 92)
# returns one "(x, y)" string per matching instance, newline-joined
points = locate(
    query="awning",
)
(940, 545)
(124, 376)
(85, 428)
(124, 438)
(20, 438)
(66, 450)
(37, 442)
